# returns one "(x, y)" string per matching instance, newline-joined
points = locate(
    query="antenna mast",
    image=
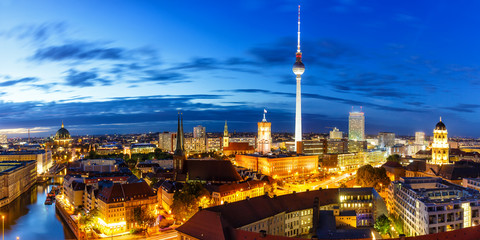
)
(298, 42)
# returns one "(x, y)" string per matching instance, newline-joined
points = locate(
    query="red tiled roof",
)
(235, 186)
(244, 212)
(392, 164)
(124, 192)
(239, 146)
(207, 225)
(212, 170)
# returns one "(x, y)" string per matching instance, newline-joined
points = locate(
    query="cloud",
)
(207, 63)
(38, 33)
(79, 51)
(371, 84)
(325, 53)
(18, 81)
(290, 80)
(464, 107)
(326, 98)
(84, 79)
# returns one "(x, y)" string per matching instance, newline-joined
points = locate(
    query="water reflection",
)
(29, 218)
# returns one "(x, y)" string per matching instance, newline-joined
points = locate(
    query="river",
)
(28, 218)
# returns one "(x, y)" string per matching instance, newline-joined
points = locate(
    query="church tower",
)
(440, 146)
(225, 135)
(179, 154)
(264, 140)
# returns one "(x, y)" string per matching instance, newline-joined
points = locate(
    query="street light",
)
(3, 227)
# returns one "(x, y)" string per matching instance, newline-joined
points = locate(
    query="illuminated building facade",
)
(166, 141)
(420, 138)
(440, 148)
(43, 158)
(336, 134)
(279, 166)
(109, 149)
(356, 126)
(199, 132)
(116, 206)
(347, 161)
(142, 148)
(430, 205)
(264, 140)
(298, 69)
(214, 144)
(15, 179)
(234, 192)
(386, 139)
(195, 145)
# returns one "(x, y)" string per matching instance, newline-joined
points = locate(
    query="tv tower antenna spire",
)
(298, 40)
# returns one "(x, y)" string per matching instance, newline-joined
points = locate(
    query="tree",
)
(382, 225)
(393, 158)
(143, 217)
(186, 202)
(397, 224)
(368, 176)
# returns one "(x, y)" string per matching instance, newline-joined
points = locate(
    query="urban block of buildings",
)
(431, 205)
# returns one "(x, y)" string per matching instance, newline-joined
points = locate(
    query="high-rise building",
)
(336, 134)
(225, 135)
(264, 140)
(356, 126)
(199, 132)
(166, 141)
(3, 139)
(298, 69)
(386, 139)
(440, 146)
(419, 138)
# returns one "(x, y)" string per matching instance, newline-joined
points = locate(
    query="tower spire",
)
(298, 41)
(62, 123)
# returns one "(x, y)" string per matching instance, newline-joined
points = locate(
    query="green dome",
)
(62, 133)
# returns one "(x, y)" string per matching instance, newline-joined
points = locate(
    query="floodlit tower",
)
(440, 148)
(225, 135)
(264, 139)
(298, 69)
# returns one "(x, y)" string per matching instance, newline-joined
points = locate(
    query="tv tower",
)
(298, 70)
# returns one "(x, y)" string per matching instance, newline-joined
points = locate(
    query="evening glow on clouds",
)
(129, 66)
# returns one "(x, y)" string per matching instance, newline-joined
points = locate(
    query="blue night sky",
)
(110, 66)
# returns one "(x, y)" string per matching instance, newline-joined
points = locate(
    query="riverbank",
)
(29, 218)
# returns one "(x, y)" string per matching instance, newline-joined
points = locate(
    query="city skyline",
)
(124, 67)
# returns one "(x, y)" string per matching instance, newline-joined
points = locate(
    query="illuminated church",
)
(440, 148)
(62, 137)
